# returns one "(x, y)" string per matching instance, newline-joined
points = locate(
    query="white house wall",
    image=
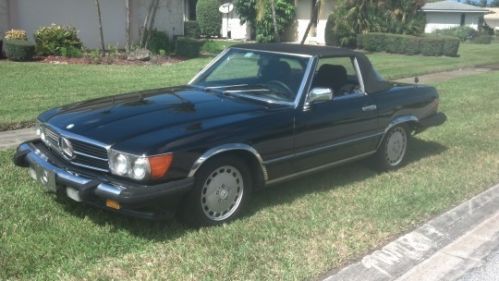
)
(169, 17)
(435, 21)
(237, 30)
(303, 12)
(30, 15)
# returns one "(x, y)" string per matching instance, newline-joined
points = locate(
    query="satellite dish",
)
(226, 8)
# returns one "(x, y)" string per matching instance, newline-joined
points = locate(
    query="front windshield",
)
(253, 74)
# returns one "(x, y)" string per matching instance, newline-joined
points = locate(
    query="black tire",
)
(393, 150)
(198, 208)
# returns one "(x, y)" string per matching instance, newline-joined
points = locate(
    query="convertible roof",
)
(312, 50)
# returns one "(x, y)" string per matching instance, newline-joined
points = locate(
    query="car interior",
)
(337, 78)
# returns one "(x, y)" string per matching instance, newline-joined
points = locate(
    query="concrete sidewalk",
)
(10, 139)
(449, 247)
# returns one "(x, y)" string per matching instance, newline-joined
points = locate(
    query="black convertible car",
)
(258, 114)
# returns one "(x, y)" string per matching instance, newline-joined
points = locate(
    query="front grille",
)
(52, 137)
(87, 155)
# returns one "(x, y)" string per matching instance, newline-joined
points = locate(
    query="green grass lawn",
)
(293, 231)
(30, 88)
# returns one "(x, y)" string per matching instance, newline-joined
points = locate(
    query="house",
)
(449, 14)
(296, 32)
(492, 19)
(30, 15)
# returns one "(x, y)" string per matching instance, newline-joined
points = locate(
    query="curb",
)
(401, 255)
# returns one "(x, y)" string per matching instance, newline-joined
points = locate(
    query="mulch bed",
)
(107, 60)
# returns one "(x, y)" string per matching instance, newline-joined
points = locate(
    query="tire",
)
(392, 151)
(222, 189)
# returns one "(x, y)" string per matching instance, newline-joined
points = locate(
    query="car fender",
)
(227, 148)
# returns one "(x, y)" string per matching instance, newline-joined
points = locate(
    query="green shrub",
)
(374, 42)
(157, 40)
(188, 47)
(71, 52)
(431, 46)
(451, 46)
(208, 17)
(50, 39)
(191, 29)
(19, 50)
(214, 46)
(482, 39)
(464, 33)
(409, 45)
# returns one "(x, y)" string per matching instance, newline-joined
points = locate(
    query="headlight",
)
(139, 167)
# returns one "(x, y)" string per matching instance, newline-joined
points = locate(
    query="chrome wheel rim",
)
(222, 193)
(396, 145)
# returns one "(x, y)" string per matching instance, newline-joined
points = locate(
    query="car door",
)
(339, 129)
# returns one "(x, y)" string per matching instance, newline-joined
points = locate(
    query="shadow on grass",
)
(284, 193)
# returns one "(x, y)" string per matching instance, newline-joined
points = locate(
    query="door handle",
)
(369, 107)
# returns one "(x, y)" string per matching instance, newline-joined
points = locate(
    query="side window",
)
(339, 74)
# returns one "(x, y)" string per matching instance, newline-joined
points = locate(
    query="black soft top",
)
(311, 50)
(372, 82)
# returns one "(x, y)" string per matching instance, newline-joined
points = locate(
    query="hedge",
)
(191, 29)
(409, 45)
(19, 50)
(188, 47)
(208, 17)
(482, 39)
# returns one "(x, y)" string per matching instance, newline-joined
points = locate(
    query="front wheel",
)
(391, 153)
(222, 188)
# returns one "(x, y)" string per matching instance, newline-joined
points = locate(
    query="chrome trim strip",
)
(269, 101)
(89, 167)
(111, 189)
(90, 156)
(224, 148)
(316, 169)
(360, 77)
(321, 148)
(307, 76)
(397, 121)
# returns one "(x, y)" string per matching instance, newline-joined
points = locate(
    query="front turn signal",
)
(160, 165)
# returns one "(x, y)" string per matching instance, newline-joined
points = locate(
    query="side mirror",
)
(317, 95)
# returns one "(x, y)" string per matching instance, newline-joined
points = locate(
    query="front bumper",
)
(150, 202)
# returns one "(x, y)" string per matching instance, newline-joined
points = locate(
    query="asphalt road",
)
(488, 271)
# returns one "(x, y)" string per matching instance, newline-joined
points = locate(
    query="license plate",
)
(45, 177)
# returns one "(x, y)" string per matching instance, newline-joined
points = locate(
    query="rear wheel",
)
(391, 154)
(222, 188)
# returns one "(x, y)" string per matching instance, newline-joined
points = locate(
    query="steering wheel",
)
(288, 93)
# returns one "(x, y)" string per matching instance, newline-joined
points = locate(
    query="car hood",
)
(120, 118)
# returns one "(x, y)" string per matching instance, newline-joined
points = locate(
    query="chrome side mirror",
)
(317, 95)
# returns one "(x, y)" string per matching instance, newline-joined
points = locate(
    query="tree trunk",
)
(101, 30)
(151, 22)
(128, 26)
(314, 17)
(274, 20)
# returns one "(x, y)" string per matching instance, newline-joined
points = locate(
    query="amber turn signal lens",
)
(113, 204)
(160, 165)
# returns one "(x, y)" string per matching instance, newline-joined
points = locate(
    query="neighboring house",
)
(449, 14)
(492, 19)
(296, 32)
(30, 15)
